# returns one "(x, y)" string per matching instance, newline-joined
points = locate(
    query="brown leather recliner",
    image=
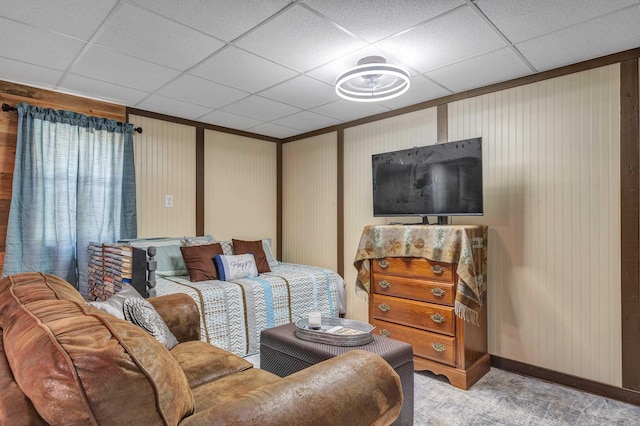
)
(64, 362)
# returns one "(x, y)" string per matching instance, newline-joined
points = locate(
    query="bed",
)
(233, 313)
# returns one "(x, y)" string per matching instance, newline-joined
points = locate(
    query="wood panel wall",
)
(165, 161)
(630, 220)
(552, 203)
(309, 210)
(240, 181)
(12, 94)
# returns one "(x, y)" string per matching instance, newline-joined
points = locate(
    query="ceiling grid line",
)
(499, 33)
(91, 41)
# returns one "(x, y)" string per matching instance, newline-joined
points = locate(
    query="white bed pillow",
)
(235, 266)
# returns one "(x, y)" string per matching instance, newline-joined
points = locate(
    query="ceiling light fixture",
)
(372, 80)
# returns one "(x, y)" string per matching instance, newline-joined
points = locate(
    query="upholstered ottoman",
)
(282, 353)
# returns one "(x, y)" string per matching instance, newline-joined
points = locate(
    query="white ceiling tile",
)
(76, 18)
(307, 121)
(255, 65)
(316, 93)
(453, 37)
(21, 72)
(196, 90)
(274, 130)
(300, 40)
(346, 110)
(243, 70)
(521, 20)
(35, 46)
(87, 87)
(261, 108)
(421, 90)
(172, 107)
(483, 70)
(330, 71)
(220, 18)
(148, 36)
(232, 121)
(377, 19)
(615, 32)
(123, 70)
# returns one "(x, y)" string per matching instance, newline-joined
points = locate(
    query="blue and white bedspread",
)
(233, 313)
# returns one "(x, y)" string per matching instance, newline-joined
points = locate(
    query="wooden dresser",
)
(412, 300)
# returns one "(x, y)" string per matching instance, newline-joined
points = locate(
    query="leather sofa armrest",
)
(180, 312)
(357, 387)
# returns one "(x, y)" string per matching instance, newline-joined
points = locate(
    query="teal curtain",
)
(73, 182)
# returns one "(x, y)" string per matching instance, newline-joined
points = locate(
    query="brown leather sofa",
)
(65, 362)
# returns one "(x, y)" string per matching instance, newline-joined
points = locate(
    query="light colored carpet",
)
(503, 398)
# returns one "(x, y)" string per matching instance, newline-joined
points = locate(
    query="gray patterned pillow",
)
(115, 304)
(227, 247)
(142, 313)
(266, 246)
(198, 241)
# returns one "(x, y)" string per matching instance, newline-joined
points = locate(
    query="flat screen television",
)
(436, 180)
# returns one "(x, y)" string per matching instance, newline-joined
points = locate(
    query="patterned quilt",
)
(233, 313)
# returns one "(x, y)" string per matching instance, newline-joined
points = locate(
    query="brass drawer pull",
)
(437, 318)
(384, 307)
(438, 347)
(437, 269)
(385, 332)
(383, 264)
(438, 292)
(385, 284)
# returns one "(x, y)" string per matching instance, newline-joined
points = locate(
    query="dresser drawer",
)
(425, 316)
(415, 267)
(412, 288)
(433, 346)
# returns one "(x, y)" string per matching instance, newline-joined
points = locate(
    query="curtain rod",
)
(7, 107)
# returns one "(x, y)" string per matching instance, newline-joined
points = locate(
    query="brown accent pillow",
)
(255, 247)
(199, 261)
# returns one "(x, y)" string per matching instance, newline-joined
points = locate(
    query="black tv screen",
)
(435, 180)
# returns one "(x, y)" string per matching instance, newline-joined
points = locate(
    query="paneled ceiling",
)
(269, 66)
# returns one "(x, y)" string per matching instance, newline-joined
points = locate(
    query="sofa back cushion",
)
(15, 407)
(78, 365)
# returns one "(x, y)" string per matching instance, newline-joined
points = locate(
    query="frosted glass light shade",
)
(372, 80)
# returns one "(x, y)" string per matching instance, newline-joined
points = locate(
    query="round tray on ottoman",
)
(336, 331)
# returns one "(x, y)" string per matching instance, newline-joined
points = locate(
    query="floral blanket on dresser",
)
(465, 245)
